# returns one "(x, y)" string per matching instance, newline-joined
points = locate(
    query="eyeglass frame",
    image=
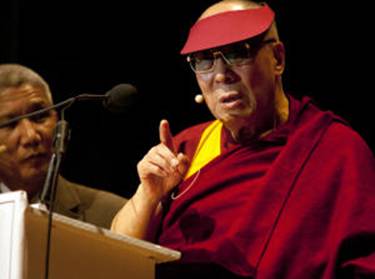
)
(252, 51)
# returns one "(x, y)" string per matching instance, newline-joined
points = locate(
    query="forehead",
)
(20, 99)
(24, 93)
(223, 6)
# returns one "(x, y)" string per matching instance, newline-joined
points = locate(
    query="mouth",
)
(230, 99)
(35, 157)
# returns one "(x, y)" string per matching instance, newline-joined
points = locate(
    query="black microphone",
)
(120, 98)
(116, 100)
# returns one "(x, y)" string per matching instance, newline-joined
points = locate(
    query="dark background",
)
(89, 47)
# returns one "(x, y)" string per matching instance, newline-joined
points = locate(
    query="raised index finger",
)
(165, 135)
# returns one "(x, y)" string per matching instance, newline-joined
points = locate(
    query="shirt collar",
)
(4, 188)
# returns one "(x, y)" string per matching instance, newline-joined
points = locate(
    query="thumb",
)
(165, 135)
(184, 164)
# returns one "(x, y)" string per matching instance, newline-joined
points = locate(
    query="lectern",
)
(78, 250)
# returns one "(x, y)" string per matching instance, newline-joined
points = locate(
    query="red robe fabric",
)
(298, 204)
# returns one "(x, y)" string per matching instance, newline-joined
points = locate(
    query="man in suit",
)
(26, 148)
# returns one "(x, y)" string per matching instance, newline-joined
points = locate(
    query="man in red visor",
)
(274, 187)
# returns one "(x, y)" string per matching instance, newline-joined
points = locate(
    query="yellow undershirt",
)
(209, 147)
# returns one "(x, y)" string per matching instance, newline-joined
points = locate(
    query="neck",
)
(32, 186)
(282, 107)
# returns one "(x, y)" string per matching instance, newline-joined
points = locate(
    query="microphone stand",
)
(60, 141)
(59, 146)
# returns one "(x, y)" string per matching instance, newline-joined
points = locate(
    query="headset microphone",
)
(199, 99)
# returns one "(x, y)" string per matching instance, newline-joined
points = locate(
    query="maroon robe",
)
(298, 204)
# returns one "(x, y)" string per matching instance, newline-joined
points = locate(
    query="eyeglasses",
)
(235, 55)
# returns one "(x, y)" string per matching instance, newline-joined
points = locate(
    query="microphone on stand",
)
(116, 100)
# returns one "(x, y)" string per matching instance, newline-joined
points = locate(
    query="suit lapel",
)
(68, 201)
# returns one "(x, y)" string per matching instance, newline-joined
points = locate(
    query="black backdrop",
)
(90, 47)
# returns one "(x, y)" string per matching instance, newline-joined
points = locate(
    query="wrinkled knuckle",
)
(154, 149)
(140, 165)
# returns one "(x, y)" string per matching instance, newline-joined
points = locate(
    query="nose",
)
(29, 134)
(223, 71)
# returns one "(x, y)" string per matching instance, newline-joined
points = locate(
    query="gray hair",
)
(15, 75)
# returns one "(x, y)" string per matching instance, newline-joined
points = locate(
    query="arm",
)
(159, 172)
(139, 216)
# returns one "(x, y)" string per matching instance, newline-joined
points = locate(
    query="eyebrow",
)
(35, 105)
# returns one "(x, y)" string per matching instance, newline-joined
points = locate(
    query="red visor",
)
(228, 27)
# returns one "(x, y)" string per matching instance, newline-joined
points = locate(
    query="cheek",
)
(3, 138)
(258, 82)
(8, 143)
(48, 128)
(263, 75)
(47, 135)
(203, 85)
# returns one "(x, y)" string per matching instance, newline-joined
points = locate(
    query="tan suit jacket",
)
(87, 204)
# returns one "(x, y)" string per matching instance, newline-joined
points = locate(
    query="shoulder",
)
(92, 196)
(342, 152)
(97, 206)
(338, 137)
(344, 140)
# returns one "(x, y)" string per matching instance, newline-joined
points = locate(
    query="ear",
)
(279, 56)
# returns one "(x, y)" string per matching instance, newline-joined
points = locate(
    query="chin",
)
(34, 175)
(237, 116)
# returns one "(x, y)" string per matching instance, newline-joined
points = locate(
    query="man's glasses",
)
(235, 55)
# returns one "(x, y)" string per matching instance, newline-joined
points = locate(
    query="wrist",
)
(146, 199)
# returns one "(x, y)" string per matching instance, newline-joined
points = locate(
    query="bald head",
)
(16, 75)
(236, 5)
(229, 5)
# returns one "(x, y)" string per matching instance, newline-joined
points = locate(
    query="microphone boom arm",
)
(64, 104)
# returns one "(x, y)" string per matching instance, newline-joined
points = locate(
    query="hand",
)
(161, 169)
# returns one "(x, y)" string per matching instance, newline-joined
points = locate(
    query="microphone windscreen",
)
(120, 98)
